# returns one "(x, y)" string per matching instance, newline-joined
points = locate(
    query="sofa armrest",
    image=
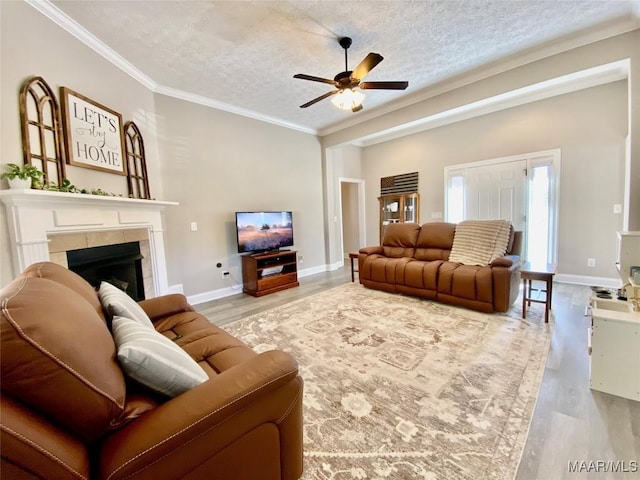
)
(506, 261)
(33, 447)
(372, 250)
(183, 433)
(165, 305)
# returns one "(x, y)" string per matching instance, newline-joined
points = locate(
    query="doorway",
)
(352, 214)
(522, 189)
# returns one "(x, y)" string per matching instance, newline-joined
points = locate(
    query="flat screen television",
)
(263, 231)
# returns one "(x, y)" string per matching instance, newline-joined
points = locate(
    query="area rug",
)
(403, 388)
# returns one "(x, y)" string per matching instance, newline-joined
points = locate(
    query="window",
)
(538, 226)
(455, 211)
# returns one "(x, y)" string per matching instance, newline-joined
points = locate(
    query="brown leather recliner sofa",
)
(413, 260)
(67, 411)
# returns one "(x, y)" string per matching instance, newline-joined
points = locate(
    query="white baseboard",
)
(176, 288)
(312, 271)
(587, 280)
(214, 294)
(335, 266)
(235, 289)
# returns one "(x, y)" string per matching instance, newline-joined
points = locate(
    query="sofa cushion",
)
(434, 241)
(215, 350)
(418, 274)
(153, 360)
(117, 302)
(470, 282)
(383, 269)
(400, 239)
(58, 357)
(60, 274)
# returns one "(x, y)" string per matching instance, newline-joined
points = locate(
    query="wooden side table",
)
(537, 271)
(353, 256)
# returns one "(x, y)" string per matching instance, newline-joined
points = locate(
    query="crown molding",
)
(601, 32)
(72, 27)
(208, 102)
(591, 77)
(609, 29)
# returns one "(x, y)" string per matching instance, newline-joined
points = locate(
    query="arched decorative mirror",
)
(41, 132)
(136, 162)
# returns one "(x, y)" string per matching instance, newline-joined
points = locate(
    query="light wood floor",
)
(571, 422)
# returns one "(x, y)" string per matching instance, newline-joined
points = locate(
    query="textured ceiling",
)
(245, 54)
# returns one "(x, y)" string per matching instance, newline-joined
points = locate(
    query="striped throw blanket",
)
(478, 242)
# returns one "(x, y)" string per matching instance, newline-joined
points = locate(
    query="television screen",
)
(263, 231)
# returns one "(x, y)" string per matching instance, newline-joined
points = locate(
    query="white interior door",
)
(497, 191)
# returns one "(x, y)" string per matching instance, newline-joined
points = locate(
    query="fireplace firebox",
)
(119, 264)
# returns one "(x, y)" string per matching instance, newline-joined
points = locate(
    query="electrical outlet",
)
(591, 262)
(225, 273)
(300, 259)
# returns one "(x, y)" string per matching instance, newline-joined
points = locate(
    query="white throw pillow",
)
(117, 302)
(153, 360)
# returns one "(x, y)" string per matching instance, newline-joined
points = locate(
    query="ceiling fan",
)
(347, 97)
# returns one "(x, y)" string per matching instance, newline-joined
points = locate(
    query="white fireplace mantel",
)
(34, 215)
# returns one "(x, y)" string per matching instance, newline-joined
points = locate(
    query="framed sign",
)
(93, 134)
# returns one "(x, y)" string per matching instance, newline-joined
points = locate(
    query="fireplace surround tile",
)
(111, 237)
(63, 242)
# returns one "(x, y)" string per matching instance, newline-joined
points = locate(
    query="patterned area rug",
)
(402, 388)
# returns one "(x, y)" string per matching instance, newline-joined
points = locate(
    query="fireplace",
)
(44, 225)
(119, 264)
(113, 255)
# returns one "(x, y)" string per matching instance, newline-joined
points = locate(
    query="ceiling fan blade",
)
(366, 65)
(384, 85)
(321, 97)
(315, 79)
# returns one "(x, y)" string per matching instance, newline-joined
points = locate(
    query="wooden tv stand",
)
(260, 275)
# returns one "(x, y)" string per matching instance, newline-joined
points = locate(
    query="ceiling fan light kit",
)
(346, 96)
(348, 99)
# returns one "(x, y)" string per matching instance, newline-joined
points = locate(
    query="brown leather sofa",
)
(67, 411)
(413, 260)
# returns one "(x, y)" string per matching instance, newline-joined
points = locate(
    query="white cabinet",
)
(615, 353)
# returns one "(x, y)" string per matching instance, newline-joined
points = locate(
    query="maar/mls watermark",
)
(604, 466)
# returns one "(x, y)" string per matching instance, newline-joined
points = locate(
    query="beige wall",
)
(444, 98)
(339, 162)
(32, 45)
(349, 196)
(216, 163)
(587, 139)
(212, 162)
(589, 127)
(237, 163)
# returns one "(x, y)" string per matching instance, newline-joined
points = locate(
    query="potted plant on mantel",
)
(21, 177)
